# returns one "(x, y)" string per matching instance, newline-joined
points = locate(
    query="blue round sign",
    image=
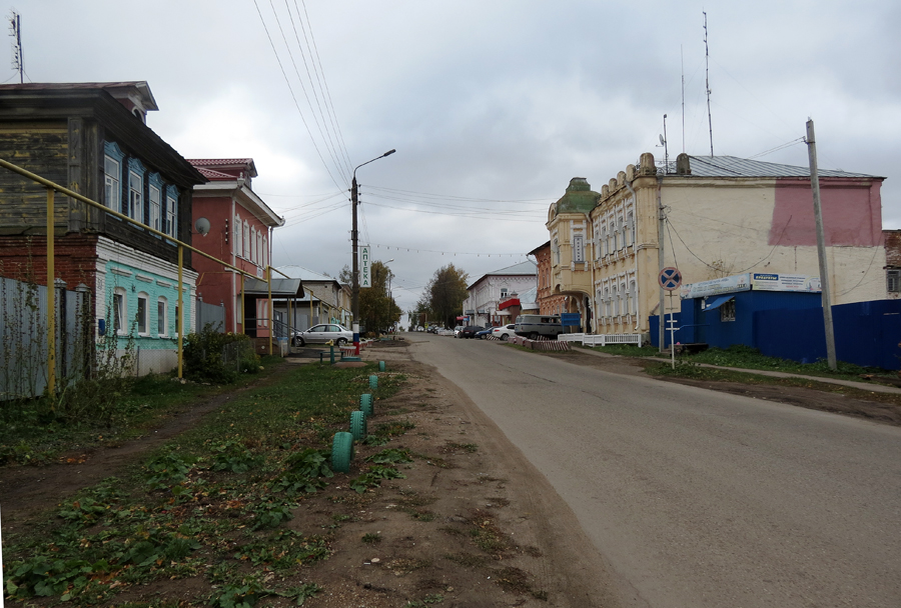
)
(670, 278)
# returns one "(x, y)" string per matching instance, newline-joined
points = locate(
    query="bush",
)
(205, 355)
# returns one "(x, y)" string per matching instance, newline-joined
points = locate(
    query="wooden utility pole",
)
(821, 246)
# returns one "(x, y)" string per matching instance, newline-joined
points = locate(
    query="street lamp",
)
(355, 284)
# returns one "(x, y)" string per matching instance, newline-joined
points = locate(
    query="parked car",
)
(320, 334)
(504, 332)
(470, 331)
(457, 331)
(484, 333)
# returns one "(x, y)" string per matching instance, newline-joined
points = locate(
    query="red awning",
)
(461, 318)
(508, 303)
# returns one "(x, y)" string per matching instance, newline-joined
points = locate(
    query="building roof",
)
(527, 268)
(281, 288)
(732, 166)
(212, 174)
(579, 197)
(230, 167)
(306, 274)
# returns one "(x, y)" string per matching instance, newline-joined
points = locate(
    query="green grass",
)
(625, 350)
(745, 357)
(205, 504)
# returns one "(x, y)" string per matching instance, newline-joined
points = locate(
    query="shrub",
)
(206, 355)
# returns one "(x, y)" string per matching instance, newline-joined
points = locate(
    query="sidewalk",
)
(864, 386)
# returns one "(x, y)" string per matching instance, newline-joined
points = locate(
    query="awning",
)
(508, 303)
(717, 302)
(281, 288)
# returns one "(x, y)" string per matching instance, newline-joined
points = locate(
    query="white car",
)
(457, 331)
(320, 334)
(504, 332)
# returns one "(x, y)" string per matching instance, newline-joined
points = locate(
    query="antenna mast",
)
(15, 30)
(682, 59)
(707, 82)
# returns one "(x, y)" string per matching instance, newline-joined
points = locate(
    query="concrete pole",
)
(661, 263)
(51, 298)
(821, 247)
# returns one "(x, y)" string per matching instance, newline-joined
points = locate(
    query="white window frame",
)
(119, 311)
(162, 317)
(156, 203)
(135, 196)
(112, 174)
(893, 280)
(171, 216)
(253, 245)
(142, 317)
(578, 248)
(246, 252)
(239, 241)
(265, 252)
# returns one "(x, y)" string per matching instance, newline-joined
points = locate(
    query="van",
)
(532, 326)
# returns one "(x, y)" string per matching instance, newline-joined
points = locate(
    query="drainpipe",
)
(594, 289)
(635, 252)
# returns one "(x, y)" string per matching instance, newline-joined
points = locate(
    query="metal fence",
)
(209, 313)
(24, 343)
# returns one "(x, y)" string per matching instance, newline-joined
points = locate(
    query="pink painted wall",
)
(852, 212)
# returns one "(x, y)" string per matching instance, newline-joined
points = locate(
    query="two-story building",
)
(713, 217)
(487, 293)
(239, 226)
(93, 139)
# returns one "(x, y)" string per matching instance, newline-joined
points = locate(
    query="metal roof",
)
(732, 166)
(281, 288)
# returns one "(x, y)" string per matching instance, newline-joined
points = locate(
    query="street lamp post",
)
(355, 284)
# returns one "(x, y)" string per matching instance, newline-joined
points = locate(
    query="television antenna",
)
(15, 30)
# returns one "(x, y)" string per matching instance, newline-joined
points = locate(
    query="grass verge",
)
(205, 506)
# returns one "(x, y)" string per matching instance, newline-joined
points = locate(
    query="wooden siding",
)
(42, 149)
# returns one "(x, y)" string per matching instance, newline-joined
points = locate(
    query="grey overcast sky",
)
(492, 105)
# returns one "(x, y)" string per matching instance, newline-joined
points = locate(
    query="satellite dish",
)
(202, 226)
(662, 141)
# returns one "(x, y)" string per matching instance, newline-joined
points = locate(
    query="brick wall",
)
(24, 258)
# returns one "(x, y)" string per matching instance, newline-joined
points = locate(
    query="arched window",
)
(162, 317)
(615, 302)
(630, 224)
(633, 288)
(606, 301)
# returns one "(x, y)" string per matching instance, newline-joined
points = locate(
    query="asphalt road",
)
(698, 498)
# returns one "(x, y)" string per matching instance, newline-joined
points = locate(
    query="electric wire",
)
(329, 143)
(293, 96)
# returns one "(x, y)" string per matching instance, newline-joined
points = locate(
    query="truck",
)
(533, 326)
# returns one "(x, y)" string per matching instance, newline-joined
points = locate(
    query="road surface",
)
(698, 498)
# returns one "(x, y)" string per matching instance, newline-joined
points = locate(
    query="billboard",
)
(785, 282)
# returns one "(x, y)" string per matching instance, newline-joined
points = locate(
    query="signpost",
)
(670, 280)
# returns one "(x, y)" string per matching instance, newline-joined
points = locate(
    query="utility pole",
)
(661, 262)
(355, 283)
(821, 246)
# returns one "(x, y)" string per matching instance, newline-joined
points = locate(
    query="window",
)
(239, 246)
(135, 198)
(727, 311)
(624, 228)
(606, 301)
(253, 244)
(630, 223)
(615, 295)
(622, 299)
(611, 241)
(111, 188)
(142, 315)
(633, 289)
(893, 280)
(162, 317)
(578, 249)
(178, 320)
(246, 250)
(172, 213)
(555, 249)
(503, 292)
(265, 252)
(603, 247)
(155, 204)
(118, 311)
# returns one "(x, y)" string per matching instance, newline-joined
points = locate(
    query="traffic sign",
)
(670, 278)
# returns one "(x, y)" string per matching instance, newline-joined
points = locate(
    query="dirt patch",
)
(472, 523)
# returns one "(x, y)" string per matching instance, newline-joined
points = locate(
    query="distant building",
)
(482, 306)
(722, 216)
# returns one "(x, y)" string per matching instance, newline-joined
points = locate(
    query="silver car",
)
(320, 334)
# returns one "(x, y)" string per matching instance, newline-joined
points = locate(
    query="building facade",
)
(491, 289)
(93, 139)
(239, 226)
(711, 217)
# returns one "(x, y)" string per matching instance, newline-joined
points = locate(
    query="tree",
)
(444, 294)
(378, 311)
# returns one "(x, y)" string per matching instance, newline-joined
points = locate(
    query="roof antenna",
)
(707, 82)
(682, 60)
(665, 148)
(15, 30)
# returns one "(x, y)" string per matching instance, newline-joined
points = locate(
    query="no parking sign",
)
(670, 278)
